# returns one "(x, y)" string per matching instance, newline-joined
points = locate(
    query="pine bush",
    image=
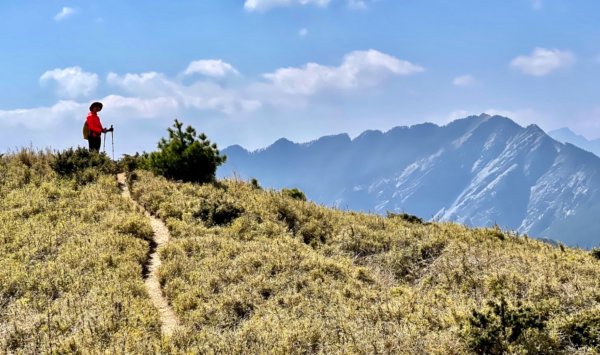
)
(186, 156)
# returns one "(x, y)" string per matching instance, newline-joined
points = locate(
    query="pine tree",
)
(186, 156)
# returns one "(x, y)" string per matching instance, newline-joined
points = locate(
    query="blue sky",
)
(251, 71)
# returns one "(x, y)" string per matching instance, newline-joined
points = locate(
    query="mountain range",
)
(565, 135)
(480, 171)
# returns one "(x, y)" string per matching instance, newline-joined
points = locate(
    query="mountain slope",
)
(481, 170)
(244, 261)
(565, 135)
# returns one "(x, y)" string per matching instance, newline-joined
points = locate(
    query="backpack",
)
(86, 131)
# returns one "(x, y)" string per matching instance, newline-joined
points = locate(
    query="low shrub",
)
(294, 193)
(130, 163)
(582, 330)
(596, 253)
(218, 214)
(502, 328)
(255, 184)
(405, 216)
(80, 162)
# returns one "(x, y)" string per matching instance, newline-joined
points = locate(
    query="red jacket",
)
(94, 124)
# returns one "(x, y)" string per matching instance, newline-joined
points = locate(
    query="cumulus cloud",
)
(135, 107)
(214, 68)
(71, 82)
(43, 117)
(156, 95)
(359, 69)
(64, 13)
(543, 61)
(116, 106)
(201, 95)
(151, 84)
(464, 80)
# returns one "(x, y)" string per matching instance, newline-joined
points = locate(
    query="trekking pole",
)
(112, 140)
(104, 145)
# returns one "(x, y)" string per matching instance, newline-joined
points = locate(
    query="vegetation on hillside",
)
(251, 270)
(254, 271)
(71, 257)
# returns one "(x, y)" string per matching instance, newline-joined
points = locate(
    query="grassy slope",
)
(252, 271)
(255, 271)
(70, 264)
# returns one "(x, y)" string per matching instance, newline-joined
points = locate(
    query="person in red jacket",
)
(95, 126)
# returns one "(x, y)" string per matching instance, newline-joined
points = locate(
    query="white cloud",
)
(524, 117)
(357, 4)
(214, 68)
(210, 96)
(464, 80)
(543, 61)
(151, 84)
(261, 5)
(201, 95)
(115, 107)
(135, 107)
(264, 5)
(303, 32)
(155, 95)
(43, 117)
(64, 13)
(71, 82)
(359, 69)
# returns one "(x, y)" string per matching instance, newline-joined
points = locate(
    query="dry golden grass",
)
(70, 264)
(253, 271)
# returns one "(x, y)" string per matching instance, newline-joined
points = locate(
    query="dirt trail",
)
(169, 320)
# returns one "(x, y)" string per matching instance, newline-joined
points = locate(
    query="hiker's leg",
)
(94, 143)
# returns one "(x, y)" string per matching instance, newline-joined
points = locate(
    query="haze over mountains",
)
(480, 171)
(565, 135)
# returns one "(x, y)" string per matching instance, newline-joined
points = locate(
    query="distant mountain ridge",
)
(565, 135)
(480, 170)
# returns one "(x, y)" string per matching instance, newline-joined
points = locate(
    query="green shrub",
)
(294, 193)
(218, 214)
(314, 232)
(502, 328)
(495, 232)
(596, 253)
(130, 163)
(582, 329)
(405, 216)
(255, 184)
(186, 156)
(82, 164)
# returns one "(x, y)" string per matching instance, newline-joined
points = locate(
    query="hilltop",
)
(253, 270)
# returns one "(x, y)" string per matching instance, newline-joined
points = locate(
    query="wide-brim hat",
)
(96, 104)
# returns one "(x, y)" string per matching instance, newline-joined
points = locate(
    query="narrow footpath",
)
(169, 320)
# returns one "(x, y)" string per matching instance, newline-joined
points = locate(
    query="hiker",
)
(94, 126)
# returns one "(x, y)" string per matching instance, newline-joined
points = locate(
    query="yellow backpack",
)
(86, 131)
